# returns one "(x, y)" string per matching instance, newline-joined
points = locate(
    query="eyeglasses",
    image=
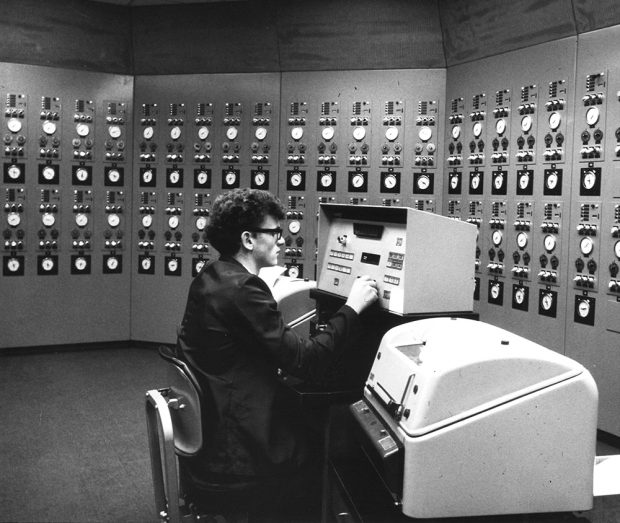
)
(276, 232)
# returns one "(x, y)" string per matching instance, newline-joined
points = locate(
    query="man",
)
(234, 338)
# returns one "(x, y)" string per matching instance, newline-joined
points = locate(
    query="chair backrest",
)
(184, 402)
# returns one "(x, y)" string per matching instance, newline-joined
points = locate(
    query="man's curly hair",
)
(236, 211)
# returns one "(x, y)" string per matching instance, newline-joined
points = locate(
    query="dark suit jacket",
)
(234, 337)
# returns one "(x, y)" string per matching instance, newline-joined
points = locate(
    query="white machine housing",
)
(422, 262)
(488, 422)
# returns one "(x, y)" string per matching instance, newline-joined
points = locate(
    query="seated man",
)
(234, 338)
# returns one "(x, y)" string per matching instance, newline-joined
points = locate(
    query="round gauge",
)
(589, 180)
(259, 179)
(48, 173)
(297, 133)
(495, 290)
(524, 180)
(499, 181)
(475, 181)
(14, 125)
(497, 238)
(326, 179)
(583, 308)
(173, 265)
(147, 176)
(173, 221)
(586, 245)
(231, 177)
(48, 219)
(260, 133)
(296, 179)
(47, 264)
(391, 133)
(112, 263)
(477, 129)
(454, 182)
(13, 219)
(203, 133)
(146, 263)
(80, 263)
(293, 271)
(423, 182)
(522, 240)
(231, 133)
(617, 249)
(520, 295)
(114, 220)
(431, 147)
(13, 264)
(592, 115)
(81, 219)
(201, 223)
(456, 132)
(359, 133)
(81, 174)
(114, 131)
(555, 119)
(552, 180)
(425, 133)
(327, 133)
(549, 242)
(14, 172)
(358, 180)
(202, 177)
(294, 226)
(147, 133)
(49, 127)
(82, 129)
(114, 175)
(390, 181)
(526, 123)
(547, 301)
(500, 126)
(174, 177)
(199, 265)
(175, 132)
(147, 221)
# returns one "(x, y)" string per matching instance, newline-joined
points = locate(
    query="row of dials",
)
(523, 183)
(49, 264)
(50, 174)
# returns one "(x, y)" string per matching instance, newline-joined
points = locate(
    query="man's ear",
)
(247, 241)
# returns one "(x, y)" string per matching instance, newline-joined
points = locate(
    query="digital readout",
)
(371, 259)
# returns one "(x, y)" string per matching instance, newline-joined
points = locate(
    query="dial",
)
(617, 249)
(500, 126)
(296, 179)
(148, 132)
(496, 238)
(49, 127)
(390, 181)
(495, 290)
(174, 177)
(260, 133)
(48, 219)
(326, 179)
(583, 308)
(81, 174)
(112, 263)
(526, 123)
(173, 265)
(80, 263)
(454, 181)
(147, 176)
(47, 264)
(456, 131)
(202, 178)
(259, 179)
(231, 133)
(592, 115)
(589, 180)
(549, 242)
(81, 219)
(586, 245)
(520, 295)
(359, 133)
(175, 132)
(547, 301)
(48, 173)
(13, 219)
(146, 263)
(297, 133)
(423, 182)
(477, 129)
(14, 125)
(14, 172)
(173, 221)
(522, 240)
(475, 181)
(425, 133)
(499, 181)
(114, 131)
(199, 265)
(201, 223)
(114, 220)
(114, 175)
(147, 221)
(327, 133)
(82, 129)
(524, 180)
(555, 119)
(294, 226)
(203, 133)
(13, 265)
(231, 177)
(358, 180)
(552, 180)
(391, 133)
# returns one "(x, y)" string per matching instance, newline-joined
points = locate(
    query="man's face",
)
(267, 247)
